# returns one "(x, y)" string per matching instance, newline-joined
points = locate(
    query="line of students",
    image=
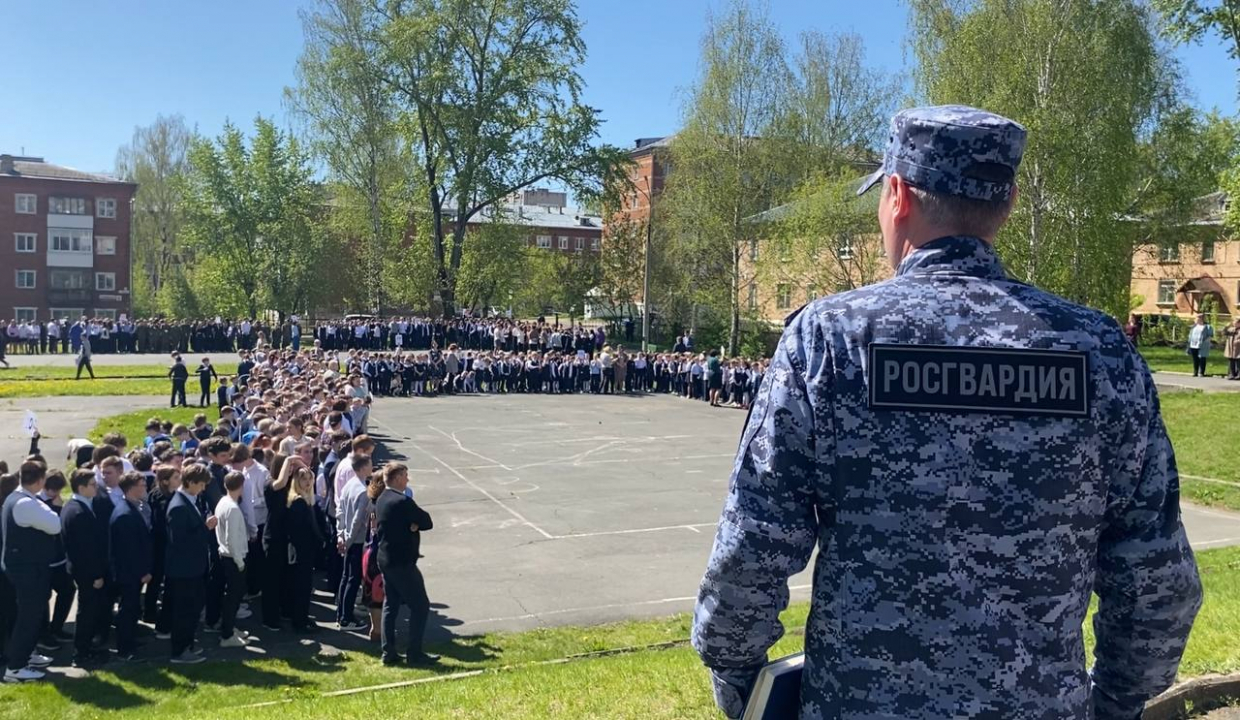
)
(180, 533)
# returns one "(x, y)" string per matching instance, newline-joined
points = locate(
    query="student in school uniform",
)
(205, 374)
(352, 522)
(62, 584)
(179, 374)
(305, 542)
(129, 560)
(233, 539)
(83, 532)
(167, 480)
(189, 540)
(29, 531)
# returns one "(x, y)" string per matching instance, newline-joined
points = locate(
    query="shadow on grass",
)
(95, 691)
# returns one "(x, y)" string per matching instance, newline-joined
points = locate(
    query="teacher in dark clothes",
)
(400, 523)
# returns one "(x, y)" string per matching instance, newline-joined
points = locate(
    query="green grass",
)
(1206, 436)
(109, 380)
(520, 677)
(133, 424)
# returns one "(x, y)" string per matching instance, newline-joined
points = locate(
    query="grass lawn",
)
(109, 380)
(133, 424)
(1205, 431)
(521, 674)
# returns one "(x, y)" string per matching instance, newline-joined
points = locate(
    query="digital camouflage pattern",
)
(957, 551)
(953, 149)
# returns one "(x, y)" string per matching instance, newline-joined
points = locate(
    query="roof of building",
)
(642, 146)
(1210, 209)
(540, 216)
(37, 167)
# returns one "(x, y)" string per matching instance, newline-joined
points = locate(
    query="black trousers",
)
(273, 582)
(205, 398)
(178, 393)
(1199, 361)
(186, 595)
(404, 586)
(62, 584)
(127, 616)
(255, 564)
(86, 623)
(302, 585)
(33, 587)
(150, 597)
(234, 588)
(215, 588)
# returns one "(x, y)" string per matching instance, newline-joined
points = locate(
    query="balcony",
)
(71, 298)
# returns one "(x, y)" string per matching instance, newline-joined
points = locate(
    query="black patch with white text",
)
(975, 379)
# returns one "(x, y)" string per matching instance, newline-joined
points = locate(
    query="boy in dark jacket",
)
(185, 569)
(83, 531)
(130, 562)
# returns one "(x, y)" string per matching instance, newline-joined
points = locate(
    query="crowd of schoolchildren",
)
(203, 526)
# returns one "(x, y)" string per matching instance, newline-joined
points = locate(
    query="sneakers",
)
(423, 660)
(391, 660)
(92, 660)
(37, 660)
(163, 635)
(129, 658)
(352, 625)
(187, 658)
(213, 629)
(60, 636)
(27, 674)
(244, 613)
(47, 644)
(235, 641)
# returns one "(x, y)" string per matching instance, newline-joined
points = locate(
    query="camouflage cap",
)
(955, 150)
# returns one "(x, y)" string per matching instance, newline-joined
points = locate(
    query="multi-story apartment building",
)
(1177, 278)
(552, 224)
(64, 241)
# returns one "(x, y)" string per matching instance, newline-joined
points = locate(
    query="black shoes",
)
(423, 660)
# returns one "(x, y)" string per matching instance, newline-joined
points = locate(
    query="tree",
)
(825, 239)
(350, 122)
(727, 157)
(252, 215)
(1088, 80)
(156, 159)
(487, 98)
(621, 262)
(493, 265)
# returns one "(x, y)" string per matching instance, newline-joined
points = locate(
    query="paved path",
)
(1183, 381)
(98, 360)
(61, 418)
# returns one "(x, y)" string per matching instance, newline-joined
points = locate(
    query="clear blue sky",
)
(82, 75)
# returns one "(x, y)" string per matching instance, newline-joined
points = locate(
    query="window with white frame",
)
(581, 243)
(1166, 292)
(69, 240)
(753, 297)
(24, 314)
(594, 243)
(25, 204)
(811, 293)
(105, 245)
(1207, 251)
(563, 242)
(783, 296)
(26, 279)
(105, 313)
(70, 314)
(844, 247)
(26, 242)
(1169, 253)
(544, 242)
(105, 281)
(105, 207)
(66, 205)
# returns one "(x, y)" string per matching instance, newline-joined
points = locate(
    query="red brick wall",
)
(10, 260)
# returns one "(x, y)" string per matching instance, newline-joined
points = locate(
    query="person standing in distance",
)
(971, 456)
(399, 527)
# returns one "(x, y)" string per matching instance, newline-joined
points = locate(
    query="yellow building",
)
(1200, 269)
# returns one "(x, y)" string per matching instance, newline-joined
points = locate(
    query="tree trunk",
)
(734, 304)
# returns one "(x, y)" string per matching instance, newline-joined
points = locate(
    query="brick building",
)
(1176, 278)
(553, 225)
(64, 241)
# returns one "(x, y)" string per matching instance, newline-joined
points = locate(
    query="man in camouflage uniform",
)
(972, 457)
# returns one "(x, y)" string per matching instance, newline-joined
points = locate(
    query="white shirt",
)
(231, 532)
(344, 473)
(28, 511)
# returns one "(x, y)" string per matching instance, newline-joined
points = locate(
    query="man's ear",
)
(900, 197)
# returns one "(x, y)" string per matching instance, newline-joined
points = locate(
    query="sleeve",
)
(1147, 583)
(35, 514)
(246, 505)
(420, 516)
(767, 530)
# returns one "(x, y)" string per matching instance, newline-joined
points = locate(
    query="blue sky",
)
(81, 75)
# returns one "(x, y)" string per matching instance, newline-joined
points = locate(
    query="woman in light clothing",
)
(1199, 345)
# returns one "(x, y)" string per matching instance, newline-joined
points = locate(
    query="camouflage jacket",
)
(957, 547)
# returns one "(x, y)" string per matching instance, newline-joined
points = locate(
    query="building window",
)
(24, 204)
(563, 242)
(753, 297)
(105, 207)
(581, 243)
(753, 250)
(783, 297)
(1207, 251)
(105, 281)
(1166, 292)
(544, 242)
(105, 313)
(811, 293)
(105, 245)
(66, 205)
(1169, 253)
(25, 279)
(70, 314)
(24, 314)
(26, 242)
(69, 239)
(594, 243)
(67, 279)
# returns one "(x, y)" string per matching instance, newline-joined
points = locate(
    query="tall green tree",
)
(487, 98)
(727, 158)
(494, 264)
(156, 159)
(253, 218)
(1088, 79)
